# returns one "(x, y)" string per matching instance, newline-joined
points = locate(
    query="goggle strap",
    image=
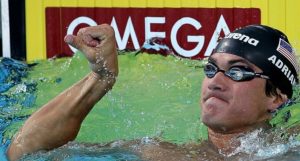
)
(262, 76)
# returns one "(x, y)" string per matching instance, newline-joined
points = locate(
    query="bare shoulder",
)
(155, 150)
(162, 151)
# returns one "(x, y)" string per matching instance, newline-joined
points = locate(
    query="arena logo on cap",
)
(283, 67)
(243, 37)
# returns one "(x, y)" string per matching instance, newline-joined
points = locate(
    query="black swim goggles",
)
(236, 73)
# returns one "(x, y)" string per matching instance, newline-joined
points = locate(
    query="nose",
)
(218, 82)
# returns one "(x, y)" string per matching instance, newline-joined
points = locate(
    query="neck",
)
(227, 141)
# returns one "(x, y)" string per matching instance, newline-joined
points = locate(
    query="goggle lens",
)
(236, 73)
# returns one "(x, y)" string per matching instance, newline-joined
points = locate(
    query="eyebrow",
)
(231, 62)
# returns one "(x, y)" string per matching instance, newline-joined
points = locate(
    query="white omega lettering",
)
(222, 25)
(198, 39)
(151, 20)
(129, 31)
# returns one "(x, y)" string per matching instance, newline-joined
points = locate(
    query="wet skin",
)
(229, 106)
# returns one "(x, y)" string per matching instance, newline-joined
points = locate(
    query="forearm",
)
(59, 121)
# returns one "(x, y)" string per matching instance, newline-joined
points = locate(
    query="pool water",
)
(80, 153)
(154, 97)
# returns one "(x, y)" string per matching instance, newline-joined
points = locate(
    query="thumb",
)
(75, 42)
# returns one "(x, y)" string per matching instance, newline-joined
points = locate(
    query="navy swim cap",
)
(268, 49)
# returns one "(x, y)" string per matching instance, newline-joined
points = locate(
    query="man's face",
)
(228, 105)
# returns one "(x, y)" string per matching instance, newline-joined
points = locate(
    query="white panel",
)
(5, 29)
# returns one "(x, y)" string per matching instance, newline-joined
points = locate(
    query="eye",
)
(243, 67)
(239, 73)
(210, 70)
(236, 73)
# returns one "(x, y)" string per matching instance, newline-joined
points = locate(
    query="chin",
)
(208, 121)
(215, 125)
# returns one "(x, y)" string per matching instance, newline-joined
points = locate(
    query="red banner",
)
(189, 32)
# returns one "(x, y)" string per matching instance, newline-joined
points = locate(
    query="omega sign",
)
(189, 32)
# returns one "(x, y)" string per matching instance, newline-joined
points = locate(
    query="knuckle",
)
(108, 30)
(106, 26)
(81, 31)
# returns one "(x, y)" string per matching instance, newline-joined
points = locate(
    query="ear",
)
(277, 100)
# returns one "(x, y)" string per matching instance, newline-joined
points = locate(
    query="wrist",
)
(106, 77)
(103, 71)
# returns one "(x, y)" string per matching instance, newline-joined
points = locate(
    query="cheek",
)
(204, 83)
(251, 89)
(204, 86)
(251, 97)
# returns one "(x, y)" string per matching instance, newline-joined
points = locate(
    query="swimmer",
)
(250, 74)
